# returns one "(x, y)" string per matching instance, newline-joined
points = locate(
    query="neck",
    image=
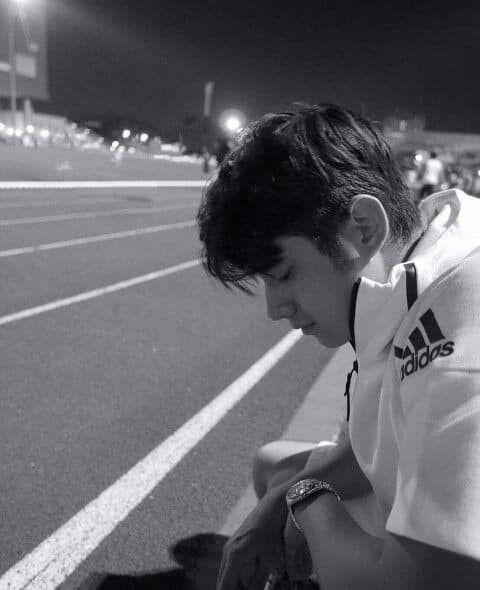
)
(396, 255)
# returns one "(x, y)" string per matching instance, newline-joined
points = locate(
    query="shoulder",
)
(454, 300)
(449, 309)
(437, 345)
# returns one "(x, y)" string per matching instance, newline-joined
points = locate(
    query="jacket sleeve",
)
(437, 498)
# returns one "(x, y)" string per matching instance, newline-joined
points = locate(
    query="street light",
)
(232, 121)
(11, 59)
(12, 8)
(233, 124)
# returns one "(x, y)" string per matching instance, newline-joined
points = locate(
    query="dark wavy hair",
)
(295, 173)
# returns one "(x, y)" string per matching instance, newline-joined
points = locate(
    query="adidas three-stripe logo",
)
(425, 346)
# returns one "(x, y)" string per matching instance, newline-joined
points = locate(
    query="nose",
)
(278, 306)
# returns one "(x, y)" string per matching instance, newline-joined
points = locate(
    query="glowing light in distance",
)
(45, 133)
(126, 133)
(30, 128)
(144, 137)
(233, 124)
(232, 120)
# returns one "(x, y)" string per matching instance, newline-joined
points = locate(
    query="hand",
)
(297, 553)
(256, 549)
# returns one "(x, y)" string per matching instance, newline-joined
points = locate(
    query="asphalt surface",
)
(62, 163)
(89, 389)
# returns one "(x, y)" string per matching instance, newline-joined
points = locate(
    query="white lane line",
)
(52, 203)
(61, 184)
(151, 276)
(56, 203)
(91, 214)
(92, 239)
(49, 564)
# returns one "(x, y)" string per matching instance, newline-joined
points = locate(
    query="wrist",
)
(306, 491)
(321, 504)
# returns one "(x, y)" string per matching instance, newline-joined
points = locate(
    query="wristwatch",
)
(304, 489)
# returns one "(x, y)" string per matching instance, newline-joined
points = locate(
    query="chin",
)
(330, 341)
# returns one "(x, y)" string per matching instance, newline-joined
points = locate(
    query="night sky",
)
(151, 58)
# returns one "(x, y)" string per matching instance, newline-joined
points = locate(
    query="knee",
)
(263, 466)
(274, 463)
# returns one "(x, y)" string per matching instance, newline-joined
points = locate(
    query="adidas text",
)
(420, 361)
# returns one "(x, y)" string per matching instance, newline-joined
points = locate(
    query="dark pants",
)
(427, 189)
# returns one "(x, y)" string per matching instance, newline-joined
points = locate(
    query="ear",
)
(367, 228)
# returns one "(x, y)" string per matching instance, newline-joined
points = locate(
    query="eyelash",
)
(286, 276)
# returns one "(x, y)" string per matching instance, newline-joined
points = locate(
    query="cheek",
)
(331, 313)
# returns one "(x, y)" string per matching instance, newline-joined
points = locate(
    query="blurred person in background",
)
(433, 175)
(205, 159)
(221, 148)
(312, 204)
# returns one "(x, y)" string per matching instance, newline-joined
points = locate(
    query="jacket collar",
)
(377, 309)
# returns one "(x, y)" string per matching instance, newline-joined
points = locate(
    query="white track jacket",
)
(415, 408)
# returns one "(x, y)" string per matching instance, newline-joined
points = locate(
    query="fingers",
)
(248, 567)
(258, 579)
(236, 570)
(238, 574)
(297, 554)
(227, 574)
(248, 573)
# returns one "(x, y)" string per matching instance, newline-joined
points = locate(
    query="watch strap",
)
(306, 488)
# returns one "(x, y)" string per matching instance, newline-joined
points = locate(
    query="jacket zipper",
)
(347, 386)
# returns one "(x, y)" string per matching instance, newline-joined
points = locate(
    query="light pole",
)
(13, 65)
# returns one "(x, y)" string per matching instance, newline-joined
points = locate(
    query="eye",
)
(287, 275)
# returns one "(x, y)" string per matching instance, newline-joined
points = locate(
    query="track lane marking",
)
(49, 564)
(93, 239)
(151, 276)
(50, 203)
(73, 184)
(92, 214)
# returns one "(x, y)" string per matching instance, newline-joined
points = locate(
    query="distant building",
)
(407, 131)
(28, 24)
(401, 123)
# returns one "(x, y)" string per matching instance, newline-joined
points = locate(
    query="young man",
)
(313, 204)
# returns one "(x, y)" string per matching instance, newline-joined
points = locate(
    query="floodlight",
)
(233, 124)
(232, 120)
